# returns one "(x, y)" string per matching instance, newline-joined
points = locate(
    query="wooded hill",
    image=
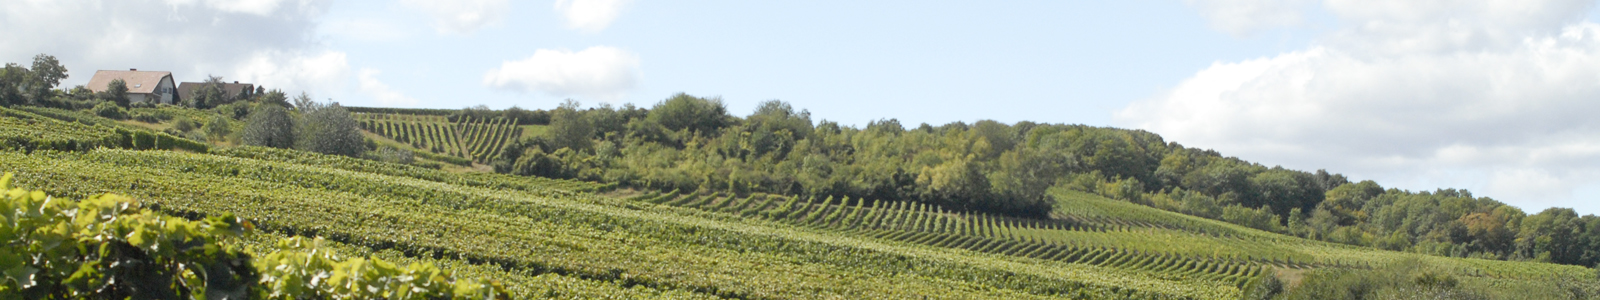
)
(690, 143)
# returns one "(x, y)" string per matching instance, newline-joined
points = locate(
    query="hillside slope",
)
(559, 238)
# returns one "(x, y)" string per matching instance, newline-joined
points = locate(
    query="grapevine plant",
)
(109, 247)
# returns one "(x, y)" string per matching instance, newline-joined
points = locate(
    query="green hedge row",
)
(27, 131)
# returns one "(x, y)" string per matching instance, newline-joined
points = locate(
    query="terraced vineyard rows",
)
(26, 131)
(475, 139)
(520, 284)
(927, 225)
(485, 137)
(1165, 246)
(575, 235)
(556, 239)
(484, 180)
(430, 133)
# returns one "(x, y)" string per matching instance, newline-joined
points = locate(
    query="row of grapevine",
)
(26, 131)
(484, 180)
(484, 138)
(536, 232)
(574, 235)
(931, 225)
(420, 213)
(433, 137)
(1236, 272)
(478, 140)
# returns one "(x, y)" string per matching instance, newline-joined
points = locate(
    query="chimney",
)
(132, 69)
(235, 82)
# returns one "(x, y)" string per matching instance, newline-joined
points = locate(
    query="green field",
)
(549, 238)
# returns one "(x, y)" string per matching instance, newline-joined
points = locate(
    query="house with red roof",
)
(142, 85)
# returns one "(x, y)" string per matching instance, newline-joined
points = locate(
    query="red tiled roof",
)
(139, 82)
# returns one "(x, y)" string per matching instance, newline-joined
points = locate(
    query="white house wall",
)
(166, 90)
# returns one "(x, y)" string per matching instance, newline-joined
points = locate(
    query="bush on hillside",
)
(184, 125)
(329, 129)
(110, 111)
(268, 126)
(145, 117)
(218, 128)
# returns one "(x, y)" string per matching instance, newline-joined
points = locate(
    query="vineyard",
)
(567, 233)
(922, 224)
(476, 139)
(550, 238)
(1095, 231)
(26, 131)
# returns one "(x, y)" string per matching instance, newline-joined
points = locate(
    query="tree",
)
(12, 79)
(1285, 190)
(303, 102)
(1025, 174)
(329, 129)
(606, 119)
(270, 126)
(999, 137)
(956, 183)
(47, 73)
(118, 91)
(276, 97)
(775, 127)
(48, 70)
(689, 112)
(210, 93)
(570, 128)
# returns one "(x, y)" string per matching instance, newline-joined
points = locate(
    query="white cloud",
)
(380, 91)
(190, 38)
(255, 7)
(1431, 27)
(1244, 17)
(461, 16)
(589, 15)
(600, 72)
(1495, 96)
(365, 29)
(296, 71)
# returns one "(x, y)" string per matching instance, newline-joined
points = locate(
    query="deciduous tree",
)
(329, 129)
(117, 90)
(270, 126)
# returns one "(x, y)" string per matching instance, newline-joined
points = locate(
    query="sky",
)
(1492, 96)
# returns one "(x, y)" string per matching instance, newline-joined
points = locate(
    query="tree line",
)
(688, 143)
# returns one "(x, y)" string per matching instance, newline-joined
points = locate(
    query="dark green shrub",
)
(146, 117)
(185, 125)
(110, 111)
